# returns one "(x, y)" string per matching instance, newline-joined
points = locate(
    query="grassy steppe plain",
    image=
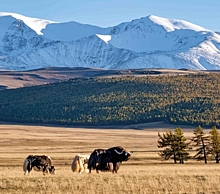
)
(143, 173)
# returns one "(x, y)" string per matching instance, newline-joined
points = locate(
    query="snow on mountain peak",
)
(34, 23)
(173, 24)
(149, 42)
(153, 33)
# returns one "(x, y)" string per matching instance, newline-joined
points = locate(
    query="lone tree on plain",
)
(214, 144)
(175, 146)
(201, 141)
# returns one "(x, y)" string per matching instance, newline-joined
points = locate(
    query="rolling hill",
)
(190, 99)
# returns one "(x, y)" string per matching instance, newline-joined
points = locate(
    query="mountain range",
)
(150, 42)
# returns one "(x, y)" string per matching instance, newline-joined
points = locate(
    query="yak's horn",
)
(118, 152)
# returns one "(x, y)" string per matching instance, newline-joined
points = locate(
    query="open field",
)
(143, 173)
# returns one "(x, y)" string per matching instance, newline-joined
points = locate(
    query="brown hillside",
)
(16, 79)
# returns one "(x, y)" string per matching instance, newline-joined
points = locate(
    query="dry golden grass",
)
(143, 173)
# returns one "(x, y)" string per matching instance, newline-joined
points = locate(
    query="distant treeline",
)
(192, 99)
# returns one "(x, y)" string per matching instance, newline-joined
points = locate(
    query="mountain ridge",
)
(149, 42)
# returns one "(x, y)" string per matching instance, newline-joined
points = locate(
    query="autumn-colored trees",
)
(175, 146)
(206, 146)
(178, 99)
(214, 144)
(201, 142)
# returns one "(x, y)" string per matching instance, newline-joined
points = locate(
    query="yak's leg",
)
(97, 167)
(45, 170)
(115, 169)
(29, 168)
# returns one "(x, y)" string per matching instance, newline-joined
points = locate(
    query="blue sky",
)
(105, 13)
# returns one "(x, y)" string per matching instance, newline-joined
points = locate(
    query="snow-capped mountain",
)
(149, 42)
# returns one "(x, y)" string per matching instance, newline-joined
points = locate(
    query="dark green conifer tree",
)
(214, 145)
(175, 146)
(180, 146)
(201, 141)
(165, 141)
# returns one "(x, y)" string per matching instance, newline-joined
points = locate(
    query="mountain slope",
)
(155, 33)
(154, 42)
(19, 38)
(86, 52)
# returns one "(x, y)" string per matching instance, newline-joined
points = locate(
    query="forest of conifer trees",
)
(192, 99)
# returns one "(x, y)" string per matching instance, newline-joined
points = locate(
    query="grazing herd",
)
(99, 160)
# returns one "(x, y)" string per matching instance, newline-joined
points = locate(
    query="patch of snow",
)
(35, 23)
(172, 24)
(105, 38)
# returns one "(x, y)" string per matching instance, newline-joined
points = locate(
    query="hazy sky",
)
(105, 13)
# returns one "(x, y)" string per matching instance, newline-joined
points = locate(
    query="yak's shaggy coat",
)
(80, 163)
